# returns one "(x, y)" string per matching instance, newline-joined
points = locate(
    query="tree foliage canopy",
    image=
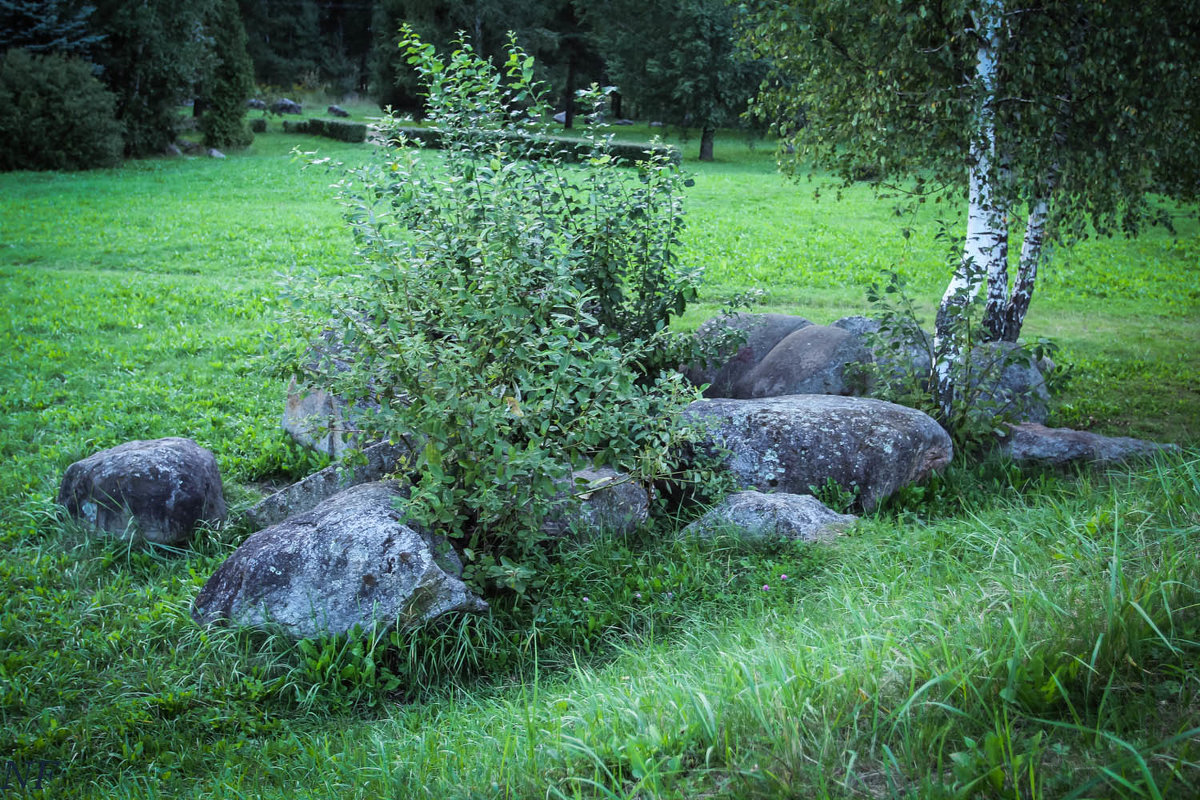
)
(1105, 96)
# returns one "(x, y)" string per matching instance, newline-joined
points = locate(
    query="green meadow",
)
(999, 632)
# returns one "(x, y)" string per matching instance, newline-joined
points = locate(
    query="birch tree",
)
(1053, 120)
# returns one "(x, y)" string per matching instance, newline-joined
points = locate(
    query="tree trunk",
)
(708, 135)
(569, 99)
(1031, 256)
(985, 251)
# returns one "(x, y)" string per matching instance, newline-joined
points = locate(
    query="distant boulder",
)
(285, 106)
(256, 104)
(337, 111)
(760, 334)
(160, 490)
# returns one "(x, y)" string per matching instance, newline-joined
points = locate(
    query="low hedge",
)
(565, 146)
(340, 129)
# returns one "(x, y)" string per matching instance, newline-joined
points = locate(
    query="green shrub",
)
(258, 125)
(54, 114)
(510, 311)
(569, 148)
(339, 129)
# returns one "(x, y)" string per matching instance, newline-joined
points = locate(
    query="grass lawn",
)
(997, 633)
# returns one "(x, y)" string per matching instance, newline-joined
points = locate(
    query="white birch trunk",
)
(1027, 270)
(985, 252)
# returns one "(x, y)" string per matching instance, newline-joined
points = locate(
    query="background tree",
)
(548, 29)
(46, 26)
(1068, 115)
(225, 89)
(676, 61)
(152, 55)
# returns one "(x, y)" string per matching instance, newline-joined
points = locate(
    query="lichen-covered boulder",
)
(1033, 443)
(159, 490)
(351, 561)
(788, 444)
(755, 515)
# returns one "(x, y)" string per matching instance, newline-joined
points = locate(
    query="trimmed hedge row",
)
(340, 129)
(565, 146)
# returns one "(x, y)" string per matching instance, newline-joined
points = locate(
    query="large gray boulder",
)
(160, 490)
(322, 421)
(379, 460)
(811, 360)
(787, 444)
(351, 561)
(599, 499)
(754, 515)
(1033, 443)
(761, 333)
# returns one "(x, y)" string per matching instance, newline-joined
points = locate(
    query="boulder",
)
(256, 104)
(601, 499)
(337, 111)
(162, 489)
(319, 419)
(787, 444)
(755, 515)
(381, 459)
(285, 106)
(1011, 381)
(215, 153)
(811, 360)
(761, 332)
(623, 122)
(172, 150)
(898, 359)
(1033, 443)
(351, 561)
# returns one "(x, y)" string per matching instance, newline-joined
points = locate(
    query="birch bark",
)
(985, 252)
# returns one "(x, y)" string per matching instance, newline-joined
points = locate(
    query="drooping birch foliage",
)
(1051, 120)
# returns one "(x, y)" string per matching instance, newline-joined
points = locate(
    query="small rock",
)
(215, 153)
(1031, 442)
(656, 124)
(172, 150)
(256, 104)
(307, 494)
(351, 561)
(755, 515)
(623, 122)
(164, 487)
(337, 111)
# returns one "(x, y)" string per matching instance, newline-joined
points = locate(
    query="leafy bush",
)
(567, 147)
(55, 114)
(510, 312)
(258, 125)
